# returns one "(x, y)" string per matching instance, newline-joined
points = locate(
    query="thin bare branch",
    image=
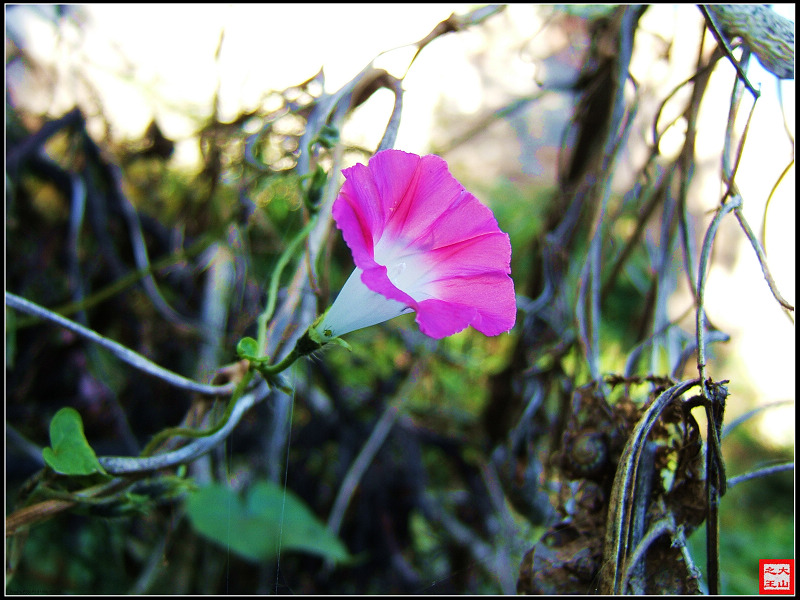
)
(752, 413)
(762, 472)
(122, 352)
(762, 260)
(705, 254)
(769, 35)
(715, 30)
(362, 462)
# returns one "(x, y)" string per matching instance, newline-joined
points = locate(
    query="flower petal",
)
(420, 240)
(486, 253)
(368, 197)
(489, 296)
(377, 279)
(432, 193)
(356, 307)
(439, 319)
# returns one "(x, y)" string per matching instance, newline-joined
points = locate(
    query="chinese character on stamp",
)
(776, 576)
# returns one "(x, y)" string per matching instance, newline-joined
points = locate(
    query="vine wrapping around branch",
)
(619, 522)
(119, 465)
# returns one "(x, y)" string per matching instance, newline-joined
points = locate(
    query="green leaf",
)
(316, 188)
(260, 525)
(70, 453)
(247, 347)
(328, 136)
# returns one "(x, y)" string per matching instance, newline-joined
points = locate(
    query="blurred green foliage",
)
(267, 522)
(74, 555)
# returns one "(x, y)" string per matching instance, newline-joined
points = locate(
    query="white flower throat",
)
(407, 270)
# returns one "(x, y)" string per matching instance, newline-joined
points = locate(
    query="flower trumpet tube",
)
(421, 243)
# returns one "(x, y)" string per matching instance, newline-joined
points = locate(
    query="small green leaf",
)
(316, 188)
(70, 453)
(262, 524)
(328, 136)
(248, 348)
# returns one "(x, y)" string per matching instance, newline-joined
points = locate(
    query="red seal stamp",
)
(776, 576)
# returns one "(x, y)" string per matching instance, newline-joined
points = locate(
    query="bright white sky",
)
(266, 47)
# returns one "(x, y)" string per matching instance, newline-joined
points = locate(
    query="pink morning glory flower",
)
(421, 243)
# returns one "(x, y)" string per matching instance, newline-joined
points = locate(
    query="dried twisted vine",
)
(619, 541)
(769, 35)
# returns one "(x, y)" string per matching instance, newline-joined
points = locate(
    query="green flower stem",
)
(307, 344)
(197, 433)
(269, 371)
(96, 494)
(272, 295)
